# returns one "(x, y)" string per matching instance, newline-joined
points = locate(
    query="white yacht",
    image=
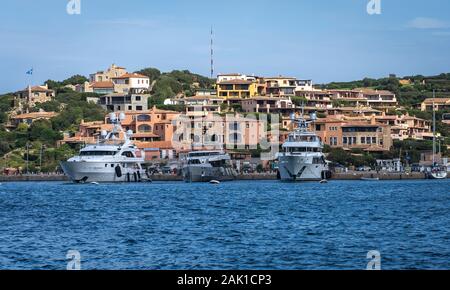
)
(206, 166)
(302, 158)
(113, 159)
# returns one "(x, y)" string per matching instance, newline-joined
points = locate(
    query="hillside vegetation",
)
(421, 87)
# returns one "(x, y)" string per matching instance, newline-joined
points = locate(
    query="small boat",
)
(370, 178)
(323, 181)
(95, 183)
(214, 182)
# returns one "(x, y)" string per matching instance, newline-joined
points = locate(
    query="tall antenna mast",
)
(212, 52)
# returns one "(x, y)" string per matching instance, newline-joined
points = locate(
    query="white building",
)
(304, 85)
(131, 83)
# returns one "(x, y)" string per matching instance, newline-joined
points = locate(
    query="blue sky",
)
(323, 40)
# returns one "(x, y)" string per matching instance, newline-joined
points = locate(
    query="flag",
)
(30, 72)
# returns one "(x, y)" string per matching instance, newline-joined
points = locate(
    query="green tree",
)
(152, 73)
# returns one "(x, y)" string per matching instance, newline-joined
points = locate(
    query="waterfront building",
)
(157, 150)
(210, 131)
(366, 112)
(149, 125)
(348, 98)
(152, 132)
(34, 94)
(115, 80)
(102, 88)
(440, 104)
(304, 85)
(237, 88)
(407, 127)
(121, 102)
(29, 118)
(88, 133)
(113, 71)
(379, 99)
(131, 83)
(349, 134)
(267, 105)
(316, 98)
(280, 86)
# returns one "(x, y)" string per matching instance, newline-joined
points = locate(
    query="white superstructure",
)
(302, 158)
(113, 159)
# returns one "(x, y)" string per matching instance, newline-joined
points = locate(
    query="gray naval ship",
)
(207, 166)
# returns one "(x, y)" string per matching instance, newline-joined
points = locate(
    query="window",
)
(145, 128)
(128, 154)
(235, 138)
(374, 140)
(143, 118)
(333, 141)
(363, 140)
(138, 108)
(98, 153)
(138, 98)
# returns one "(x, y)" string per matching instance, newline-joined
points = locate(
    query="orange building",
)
(153, 132)
(351, 134)
(149, 126)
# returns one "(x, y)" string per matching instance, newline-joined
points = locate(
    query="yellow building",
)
(237, 88)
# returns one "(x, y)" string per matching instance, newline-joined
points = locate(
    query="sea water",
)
(236, 225)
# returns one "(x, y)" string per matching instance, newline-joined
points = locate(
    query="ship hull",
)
(300, 168)
(439, 175)
(82, 172)
(207, 174)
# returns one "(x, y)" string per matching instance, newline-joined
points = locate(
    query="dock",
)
(247, 177)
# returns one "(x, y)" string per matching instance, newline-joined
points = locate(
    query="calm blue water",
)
(241, 225)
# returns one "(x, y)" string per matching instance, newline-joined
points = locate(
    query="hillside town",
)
(360, 121)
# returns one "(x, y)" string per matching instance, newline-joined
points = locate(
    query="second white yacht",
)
(302, 158)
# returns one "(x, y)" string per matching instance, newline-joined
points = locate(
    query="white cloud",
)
(427, 23)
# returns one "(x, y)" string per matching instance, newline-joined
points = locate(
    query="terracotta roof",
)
(279, 78)
(36, 115)
(437, 101)
(230, 75)
(37, 89)
(236, 82)
(102, 85)
(374, 92)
